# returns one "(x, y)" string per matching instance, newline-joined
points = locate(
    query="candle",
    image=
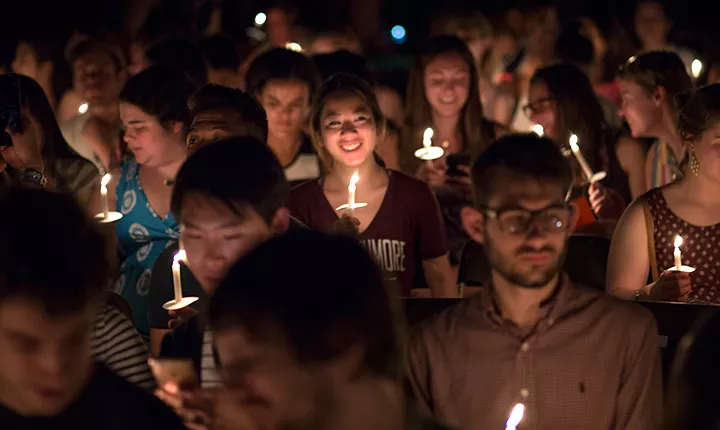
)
(351, 192)
(103, 195)
(578, 155)
(177, 282)
(696, 68)
(427, 137)
(677, 254)
(538, 129)
(515, 417)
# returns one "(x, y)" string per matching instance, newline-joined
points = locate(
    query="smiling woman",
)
(400, 224)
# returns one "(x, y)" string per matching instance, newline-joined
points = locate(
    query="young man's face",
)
(45, 361)
(215, 236)
(96, 78)
(265, 385)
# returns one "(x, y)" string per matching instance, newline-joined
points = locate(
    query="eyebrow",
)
(295, 100)
(361, 109)
(136, 122)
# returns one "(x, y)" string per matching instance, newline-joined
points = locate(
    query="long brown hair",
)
(476, 131)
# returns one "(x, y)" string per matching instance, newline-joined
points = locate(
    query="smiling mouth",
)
(447, 100)
(350, 146)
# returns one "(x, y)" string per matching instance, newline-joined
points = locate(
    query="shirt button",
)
(524, 347)
(524, 393)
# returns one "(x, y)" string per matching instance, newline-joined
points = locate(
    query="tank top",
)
(699, 249)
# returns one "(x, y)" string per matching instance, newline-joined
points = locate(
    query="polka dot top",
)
(699, 249)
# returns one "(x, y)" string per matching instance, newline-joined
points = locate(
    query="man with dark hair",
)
(222, 216)
(319, 357)
(574, 357)
(53, 273)
(98, 77)
(223, 60)
(219, 112)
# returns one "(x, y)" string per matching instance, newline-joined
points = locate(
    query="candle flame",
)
(538, 129)
(293, 46)
(574, 143)
(83, 108)
(515, 416)
(180, 256)
(696, 68)
(678, 241)
(105, 180)
(354, 179)
(428, 134)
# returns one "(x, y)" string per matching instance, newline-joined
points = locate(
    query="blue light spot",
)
(398, 33)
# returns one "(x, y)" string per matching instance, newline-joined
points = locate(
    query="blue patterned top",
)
(143, 236)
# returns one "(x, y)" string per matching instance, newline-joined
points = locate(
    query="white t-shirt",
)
(72, 132)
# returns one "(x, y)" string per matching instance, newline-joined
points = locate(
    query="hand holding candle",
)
(106, 216)
(589, 175)
(677, 257)
(515, 417)
(179, 301)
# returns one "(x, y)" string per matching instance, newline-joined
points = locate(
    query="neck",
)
(704, 191)
(383, 397)
(519, 304)
(659, 45)
(108, 112)
(446, 128)
(285, 148)
(168, 171)
(670, 134)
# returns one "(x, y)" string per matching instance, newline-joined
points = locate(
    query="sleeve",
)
(161, 290)
(118, 345)
(430, 225)
(418, 372)
(640, 396)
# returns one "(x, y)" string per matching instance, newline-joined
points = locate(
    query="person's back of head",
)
(245, 174)
(572, 47)
(161, 91)
(286, 292)
(519, 156)
(282, 65)
(216, 98)
(182, 54)
(659, 69)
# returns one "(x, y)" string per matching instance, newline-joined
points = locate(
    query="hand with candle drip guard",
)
(671, 286)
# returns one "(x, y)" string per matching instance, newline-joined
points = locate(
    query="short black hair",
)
(574, 48)
(216, 97)
(237, 171)
(281, 64)
(321, 294)
(344, 62)
(161, 91)
(220, 52)
(182, 54)
(523, 155)
(50, 252)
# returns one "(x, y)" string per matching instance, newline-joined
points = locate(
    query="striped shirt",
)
(665, 166)
(118, 345)
(209, 377)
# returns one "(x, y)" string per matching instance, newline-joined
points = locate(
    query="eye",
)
(192, 236)
(362, 119)
(332, 124)
(192, 141)
(233, 237)
(436, 82)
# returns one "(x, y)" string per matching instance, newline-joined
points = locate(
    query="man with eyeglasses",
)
(574, 357)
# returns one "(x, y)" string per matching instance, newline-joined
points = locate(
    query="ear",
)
(659, 96)
(473, 223)
(280, 221)
(177, 127)
(574, 217)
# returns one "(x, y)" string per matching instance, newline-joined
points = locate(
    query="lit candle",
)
(177, 282)
(351, 192)
(696, 68)
(515, 417)
(677, 254)
(428, 152)
(293, 46)
(578, 155)
(427, 137)
(103, 195)
(538, 129)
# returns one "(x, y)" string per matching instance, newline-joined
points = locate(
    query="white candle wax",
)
(351, 192)
(177, 282)
(677, 254)
(579, 156)
(103, 195)
(515, 417)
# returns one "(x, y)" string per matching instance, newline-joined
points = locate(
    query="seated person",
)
(217, 112)
(531, 336)
(317, 357)
(48, 306)
(222, 216)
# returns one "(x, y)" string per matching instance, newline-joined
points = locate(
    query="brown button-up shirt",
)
(591, 362)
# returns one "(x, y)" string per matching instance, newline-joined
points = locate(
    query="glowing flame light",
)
(538, 129)
(574, 143)
(180, 256)
(293, 46)
(678, 241)
(515, 417)
(696, 68)
(83, 108)
(260, 19)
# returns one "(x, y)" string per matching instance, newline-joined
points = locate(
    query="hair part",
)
(520, 155)
(238, 171)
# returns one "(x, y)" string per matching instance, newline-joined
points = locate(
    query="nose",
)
(348, 127)
(52, 367)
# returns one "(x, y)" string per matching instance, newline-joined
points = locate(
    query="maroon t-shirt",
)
(407, 229)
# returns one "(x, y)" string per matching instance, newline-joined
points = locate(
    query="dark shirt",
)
(406, 230)
(108, 403)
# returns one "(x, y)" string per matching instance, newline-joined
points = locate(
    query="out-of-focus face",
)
(138, 62)
(330, 44)
(651, 24)
(286, 105)
(526, 250)
(96, 78)
(447, 84)
(542, 33)
(151, 143)
(214, 125)
(542, 109)
(46, 361)
(707, 151)
(348, 130)
(279, 27)
(214, 237)
(271, 389)
(26, 61)
(640, 109)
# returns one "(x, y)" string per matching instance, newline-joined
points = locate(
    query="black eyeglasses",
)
(553, 219)
(536, 106)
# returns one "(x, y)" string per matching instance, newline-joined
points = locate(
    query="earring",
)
(694, 164)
